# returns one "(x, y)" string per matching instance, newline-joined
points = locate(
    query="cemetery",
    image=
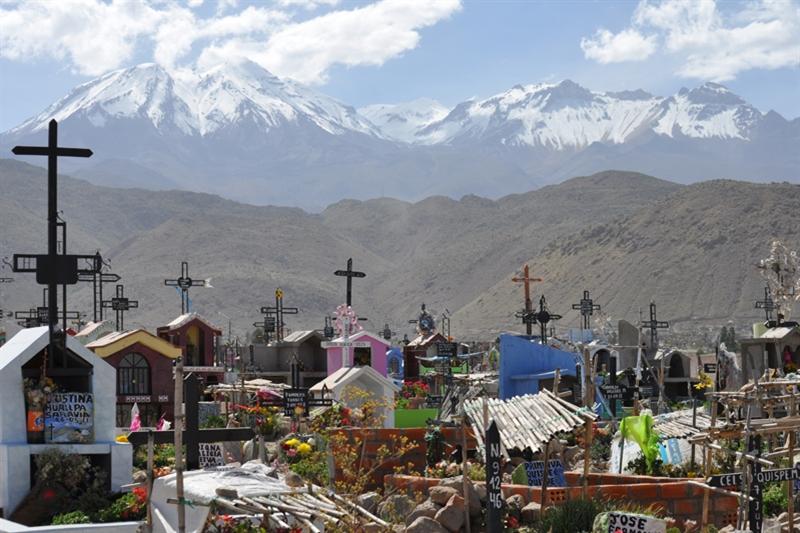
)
(343, 429)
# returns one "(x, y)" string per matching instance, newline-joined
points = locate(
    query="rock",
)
(395, 508)
(140, 476)
(369, 501)
(730, 528)
(441, 495)
(227, 492)
(451, 516)
(427, 508)
(457, 483)
(571, 454)
(293, 480)
(515, 501)
(372, 527)
(531, 512)
(423, 524)
(690, 526)
(480, 490)
(516, 461)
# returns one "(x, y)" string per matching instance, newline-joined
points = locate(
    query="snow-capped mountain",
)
(568, 116)
(401, 122)
(239, 131)
(200, 103)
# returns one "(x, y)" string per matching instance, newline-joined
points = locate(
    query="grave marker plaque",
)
(494, 479)
(211, 455)
(555, 473)
(69, 417)
(293, 398)
(635, 523)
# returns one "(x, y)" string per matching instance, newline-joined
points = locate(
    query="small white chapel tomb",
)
(379, 388)
(78, 416)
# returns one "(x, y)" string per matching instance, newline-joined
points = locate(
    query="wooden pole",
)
(150, 446)
(587, 456)
(790, 483)
(179, 418)
(707, 464)
(464, 472)
(556, 380)
(543, 500)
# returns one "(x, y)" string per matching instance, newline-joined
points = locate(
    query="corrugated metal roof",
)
(528, 421)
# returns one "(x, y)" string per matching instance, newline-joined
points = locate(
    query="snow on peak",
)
(199, 103)
(566, 115)
(401, 122)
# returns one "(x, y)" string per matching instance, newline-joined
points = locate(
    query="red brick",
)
(671, 491)
(644, 491)
(613, 491)
(685, 508)
(724, 503)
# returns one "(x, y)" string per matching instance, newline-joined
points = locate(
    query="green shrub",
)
(572, 517)
(75, 517)
(775, 499)
(213, 421)
(313, 468)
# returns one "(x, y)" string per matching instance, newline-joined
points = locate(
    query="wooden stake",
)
(464, 472)
(790, 483)
(587, 456)
(543, 500)
(150, 446)
(707, 464)
(179, 417)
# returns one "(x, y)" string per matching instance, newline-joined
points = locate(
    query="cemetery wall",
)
(373, 439)
(677, 497)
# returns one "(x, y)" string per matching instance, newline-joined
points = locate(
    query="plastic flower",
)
(122, 438)
(304, 449)
(292, 442)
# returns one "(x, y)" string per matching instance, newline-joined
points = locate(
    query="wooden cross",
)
(192, 435)
(587, 307)
(279, 310)
(767, 304)
(350, 274)
(526, 280)
(654, 325)
(543, 317)
(97, 279)
(183, 283)
(51, 269)
(120, 304)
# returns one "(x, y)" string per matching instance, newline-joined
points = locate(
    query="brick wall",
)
(678, 498)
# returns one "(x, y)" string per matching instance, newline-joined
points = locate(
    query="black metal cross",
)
(279, 310)
(350, 274)
(98, 279)
(543, 317)
(192, 434)
(654, 325)
(587, 307)
(328, 331)
(387, 332)
(268, 325)
(183, 283)
(767, 304)
(51, 269)
(120, 304)
(38, 316)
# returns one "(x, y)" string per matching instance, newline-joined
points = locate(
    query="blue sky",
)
(388, 51)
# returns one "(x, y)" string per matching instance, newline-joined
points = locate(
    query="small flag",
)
(136, 422)
(163, 424)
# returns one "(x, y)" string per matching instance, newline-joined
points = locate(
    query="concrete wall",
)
(6, 526)
(521, 359)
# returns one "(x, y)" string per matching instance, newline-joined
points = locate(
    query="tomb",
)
(93, 331)
(272, 361)
(144, 374)
(366, 349)
(365, 378)
(198, 338)
(425, 344)
(78, 418)
(681, 372)
(776, 348)
(526, 367)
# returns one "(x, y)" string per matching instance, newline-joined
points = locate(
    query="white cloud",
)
(627, 45)
(711, 43)
(94, 36)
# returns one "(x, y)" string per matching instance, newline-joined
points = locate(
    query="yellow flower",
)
(122, 438)
(304, 449)
(292, 442)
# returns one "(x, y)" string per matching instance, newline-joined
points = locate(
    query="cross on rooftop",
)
(184, 282)
(654, 325)
(543, 317)
(587, 308)
(526, 280)
(767, 304)
(279, 310)
(426, 325)
(120, 304)
(387, 332)
(51, 269)
(350, 274)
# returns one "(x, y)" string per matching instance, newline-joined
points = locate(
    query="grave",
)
(526, 366)
(365, 378)
(366, 349)
(80, 419)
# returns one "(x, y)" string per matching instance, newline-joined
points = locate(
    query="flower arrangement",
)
(704, 383)
(337, 416)
(36, 391)
(264, 419)
(130, 506)
(412, 395)
(297, 447)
